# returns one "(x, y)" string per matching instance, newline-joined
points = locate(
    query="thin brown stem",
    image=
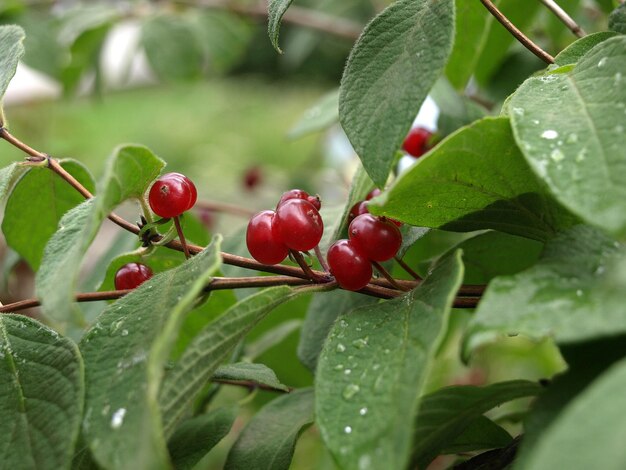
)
(407, 268)
(216, 206)
(564, 17)
(314, 276)
(320, 258)
(380, 268)
(6, 135)
(466, 302)
(181, 237)
(521, 37)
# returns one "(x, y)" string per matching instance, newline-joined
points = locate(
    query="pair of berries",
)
(417, 142)
(295, 225)
(371, 239)
(171, 195)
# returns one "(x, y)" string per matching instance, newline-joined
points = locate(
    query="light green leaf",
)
(125, 353)
(269, 439)
(128, 175)
(275, 11)
(9, 176)
(323, 310)
(245, 371)
(480, 434)
(11, 50)
(36, 206)
(455, 111)
(211, 347)
(569, 294)
(569, 125)
(475, 179)
(445, 414)
(41, 402)
(271, 338)
(391, 69)
(573, 53)
(318, 117)
(373, 367)
(197, 436)
(617, 19)
(595, 417)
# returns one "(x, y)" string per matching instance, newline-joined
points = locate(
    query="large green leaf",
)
(125, 353)
(275, 11)
(389, 72)
(570, 126)
(372, 369)
(36, 206)
(573, 53)
(475, 179)
(211, 347)
(128, 175)
(445, 414)
(269, 439)
(572, 294)
(42, 395)
(11, 50)
(587, 434)
(197, 436)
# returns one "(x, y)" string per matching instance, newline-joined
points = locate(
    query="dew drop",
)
(365, 462)
(124, 333)
(363, 411)
(572, 138)
(339, 367)
(350, 391)
(347, 371)
(602, 62)
(341, 348)
(347, 429)
(549, 134)
(556, 155)
(579, 293)
(518, 111)
(343, 323)
(360, 343)
(376, 367)
(118, 418)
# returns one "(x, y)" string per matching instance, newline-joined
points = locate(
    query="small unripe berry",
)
(351, 268)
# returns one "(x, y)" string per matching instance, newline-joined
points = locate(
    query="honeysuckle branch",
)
(407, 268)
(521, 37)
(564, 17)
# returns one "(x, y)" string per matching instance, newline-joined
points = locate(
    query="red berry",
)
(351, 268)
(416, 143)
(252, 178)
(261, 238)
(132, 275)
(299, 194)
(171, 195)
(358, 209)
(299, 224)
(376, 237)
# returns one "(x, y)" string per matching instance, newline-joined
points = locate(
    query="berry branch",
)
(521, 37)
(564, 17)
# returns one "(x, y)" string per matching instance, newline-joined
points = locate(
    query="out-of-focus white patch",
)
(30, 85)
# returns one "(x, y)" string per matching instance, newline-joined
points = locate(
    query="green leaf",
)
(9, 176)
(445, 414)
(41, 402)
(569, 294)
(455, 111)
(275, 11)
(247, 372)
(271, 338)
(475, 179)
(211, 347)
(323, 310)
(172, 48)
(391, 69)
(575, 51)
(125, 353)
(373, 367)
(11, 50)
(480, 434)
(269, 439)
(197, 436)
(128, 175)
(318, 117)
(617, 19)
(595, 417)
(36, 206)
(569, 126)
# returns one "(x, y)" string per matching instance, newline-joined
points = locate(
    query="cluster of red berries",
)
(417, 142)
(296, 225)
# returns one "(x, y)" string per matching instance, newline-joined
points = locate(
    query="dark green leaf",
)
(617, 19)
(172, 48)
(247, 372)
(391, 69)
(11, 50)
(373, 367)
(445, 414)
(269, 439)
(455, 111)
(197, 436)
(41, 402)
(128, 175)
(36, 206)
(480, 434)
(569, 125)
(318, 117)
(587, 432)
(125, 353)
(275, 11)
(475, 179)
(569, 294)
(211, 347)
(574, 52)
